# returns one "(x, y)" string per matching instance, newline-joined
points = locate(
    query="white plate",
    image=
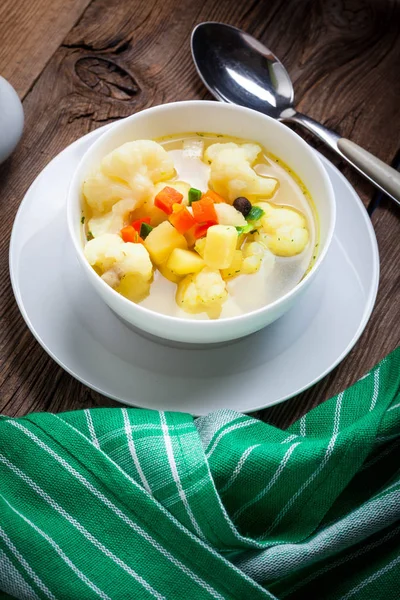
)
(81, 333)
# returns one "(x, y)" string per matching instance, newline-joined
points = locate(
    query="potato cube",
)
(235, 267)
(162, 240)
(220, 246)
(168, 274)
(200, 246)
(183, 262)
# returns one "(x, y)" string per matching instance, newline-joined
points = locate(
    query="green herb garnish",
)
(82, 220)
(89, 236)
(145, 229)
(245, 228)
(255, 214)
(194, 195)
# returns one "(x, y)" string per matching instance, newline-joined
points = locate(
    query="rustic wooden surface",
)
(78, 64)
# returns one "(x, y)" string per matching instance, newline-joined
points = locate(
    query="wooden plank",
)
(30, 33)
(125, 55)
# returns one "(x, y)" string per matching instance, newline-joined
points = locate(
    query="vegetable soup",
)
(200, 225)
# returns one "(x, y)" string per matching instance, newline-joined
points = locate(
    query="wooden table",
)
(78, 64)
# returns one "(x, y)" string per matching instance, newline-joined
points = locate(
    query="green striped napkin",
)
(135, 504)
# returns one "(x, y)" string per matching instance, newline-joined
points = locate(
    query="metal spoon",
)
(237, 68)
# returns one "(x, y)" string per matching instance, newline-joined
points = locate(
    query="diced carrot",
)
(214, 196)
(181, 218)
(201, 230)
(166, 198)
(129, 234)
(204, 211)
(137, 224)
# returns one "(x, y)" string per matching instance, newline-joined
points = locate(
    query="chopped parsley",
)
(255, 214)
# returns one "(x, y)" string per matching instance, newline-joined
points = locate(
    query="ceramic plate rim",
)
(369, 304)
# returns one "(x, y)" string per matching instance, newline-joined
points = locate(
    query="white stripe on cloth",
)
(25, 565)
(229, 430)
(291, 437)
(12, 582)
(175, 475)
(133, 452)
(371, 578)
(179, 525)
(274, 479)
(238, 467)
(107, 502)
(341, 561)
(376, 389)
(60, 552)
(393, 407)
(303, 425)
(59, 509)
(91, 428)
(317, 471)
(114, 433)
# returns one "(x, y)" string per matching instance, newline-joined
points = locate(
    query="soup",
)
(199, 226)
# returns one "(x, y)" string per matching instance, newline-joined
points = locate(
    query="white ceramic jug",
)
(11, 119)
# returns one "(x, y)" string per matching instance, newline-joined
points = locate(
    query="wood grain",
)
(31, 31)
(124, 55)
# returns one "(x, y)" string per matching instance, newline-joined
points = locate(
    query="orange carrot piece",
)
(129, 234)
(204, 211)
(181, 218)
(166, 198)
(214, 196)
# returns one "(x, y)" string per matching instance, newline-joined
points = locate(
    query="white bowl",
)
(228, 119)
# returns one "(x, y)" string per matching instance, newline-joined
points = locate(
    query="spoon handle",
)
(379, 173)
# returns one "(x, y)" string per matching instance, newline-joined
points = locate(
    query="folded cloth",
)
(135, 504)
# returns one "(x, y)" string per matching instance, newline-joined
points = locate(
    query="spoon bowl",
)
(237, 68)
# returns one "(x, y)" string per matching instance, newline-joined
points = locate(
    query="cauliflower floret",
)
(228, 215)
(284, 230)
(251, 150)
(139, 163)
(104, 251)
(102, 193)
(202, 292)
(118, 259)
(253, 255)
(231, 174)
(135, 261)
(134, 287)
(129, 171)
